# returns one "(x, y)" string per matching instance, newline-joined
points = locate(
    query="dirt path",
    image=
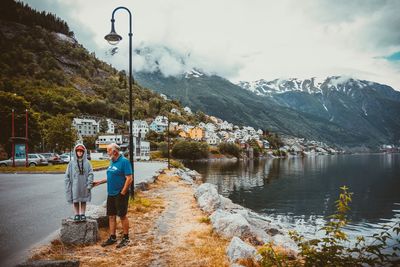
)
(167, 229)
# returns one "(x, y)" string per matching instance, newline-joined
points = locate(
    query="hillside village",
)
(214, 132)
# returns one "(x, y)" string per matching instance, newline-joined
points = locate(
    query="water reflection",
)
(298, 190)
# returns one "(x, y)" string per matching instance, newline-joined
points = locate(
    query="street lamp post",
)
(113, 38)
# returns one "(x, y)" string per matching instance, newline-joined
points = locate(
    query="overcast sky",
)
(245, 39)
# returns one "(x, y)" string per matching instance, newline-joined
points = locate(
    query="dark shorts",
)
(117, 205)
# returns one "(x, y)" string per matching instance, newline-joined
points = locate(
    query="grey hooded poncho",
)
(77, 185)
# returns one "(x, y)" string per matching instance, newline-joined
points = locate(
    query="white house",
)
(164, 96)
(213, 139)
(260, 132)
(187, 110)
(175, 111)
(159, 124)
(103, 140)
(210, 127)
(139, 126)
(225, 126)
(85, 127)
(111, 126)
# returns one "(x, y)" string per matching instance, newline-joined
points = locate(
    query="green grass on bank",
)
(52, 168)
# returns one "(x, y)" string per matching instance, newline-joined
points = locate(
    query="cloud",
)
(246, 40)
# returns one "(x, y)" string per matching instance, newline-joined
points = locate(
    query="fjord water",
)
(301, 192)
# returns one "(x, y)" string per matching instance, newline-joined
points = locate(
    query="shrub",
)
(230, 149)
(331, 249)
(190, 150)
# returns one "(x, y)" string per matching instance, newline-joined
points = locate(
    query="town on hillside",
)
(214, 132)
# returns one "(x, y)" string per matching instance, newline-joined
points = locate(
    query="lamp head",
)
(113, 38)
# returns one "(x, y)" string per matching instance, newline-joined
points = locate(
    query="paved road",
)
(32, 206)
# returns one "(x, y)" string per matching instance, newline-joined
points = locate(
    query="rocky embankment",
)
(175, 221)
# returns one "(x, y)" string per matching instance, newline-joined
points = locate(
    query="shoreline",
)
(170, 185)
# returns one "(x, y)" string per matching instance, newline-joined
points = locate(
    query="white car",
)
(65, 158)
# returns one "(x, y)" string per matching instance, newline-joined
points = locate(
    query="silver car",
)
(33, 160)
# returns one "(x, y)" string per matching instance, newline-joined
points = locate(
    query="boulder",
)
(230, 225)
(206, 187)
(79, 233)
(194, 174)
(209, 201)
(98, 213)
(238, 249)
(51, 263)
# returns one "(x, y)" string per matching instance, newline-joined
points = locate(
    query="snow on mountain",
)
(313, 85)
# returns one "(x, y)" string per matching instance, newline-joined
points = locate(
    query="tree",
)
(103, 125)
(59, 134)
(89, 142)
(230, 149)
(190, 150)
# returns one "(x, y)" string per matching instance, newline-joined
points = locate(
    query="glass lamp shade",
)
(113, 38)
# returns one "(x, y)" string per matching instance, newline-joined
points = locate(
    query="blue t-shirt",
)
(116, 173)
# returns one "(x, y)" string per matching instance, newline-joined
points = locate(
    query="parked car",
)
(65, 158)
(33, 160)
(52, 158)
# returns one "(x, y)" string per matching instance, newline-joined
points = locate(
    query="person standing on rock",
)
(119, 179)
(79, 182)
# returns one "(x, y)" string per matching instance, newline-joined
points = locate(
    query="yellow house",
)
(196, 133)
(183, 134)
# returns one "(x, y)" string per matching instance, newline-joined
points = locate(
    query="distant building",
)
(139, 126)
(159, 124)
(85, 127)
(175, 111)
(111, 127)
(187, 110)
(164, 96)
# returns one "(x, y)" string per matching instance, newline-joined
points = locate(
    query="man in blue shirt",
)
(119, 179)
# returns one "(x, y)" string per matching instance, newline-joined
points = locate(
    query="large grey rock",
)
(79, 233)
(230, 225)
(238, 249)
(194, 174)
(185, 177)
(50, 263)
(98, 213)
(206, 187)
(284, 241)
(227, 204)
(209, 201)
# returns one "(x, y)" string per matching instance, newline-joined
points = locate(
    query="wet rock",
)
(98, 213)
(51, 263)
(230, 225)
(238, 249)
(79, 233)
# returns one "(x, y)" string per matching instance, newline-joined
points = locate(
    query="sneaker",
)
(109, 242)
(77, 218)
(124, 242)
(83, 218)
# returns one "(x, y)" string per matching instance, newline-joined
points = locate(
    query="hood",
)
(84, 157)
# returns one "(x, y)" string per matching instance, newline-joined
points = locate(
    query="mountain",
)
(357, 105)
(349, 114)
(45, 70)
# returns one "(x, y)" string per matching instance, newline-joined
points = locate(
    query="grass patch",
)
(52, 168)
(204, 220)
(142, 204)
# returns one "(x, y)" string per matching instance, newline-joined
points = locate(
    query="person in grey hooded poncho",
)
(79, 182)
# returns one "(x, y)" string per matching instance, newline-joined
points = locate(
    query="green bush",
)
(333, 248)
(230, 149)
(190, 150)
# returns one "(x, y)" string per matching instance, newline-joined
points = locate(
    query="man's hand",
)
(99, 182)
